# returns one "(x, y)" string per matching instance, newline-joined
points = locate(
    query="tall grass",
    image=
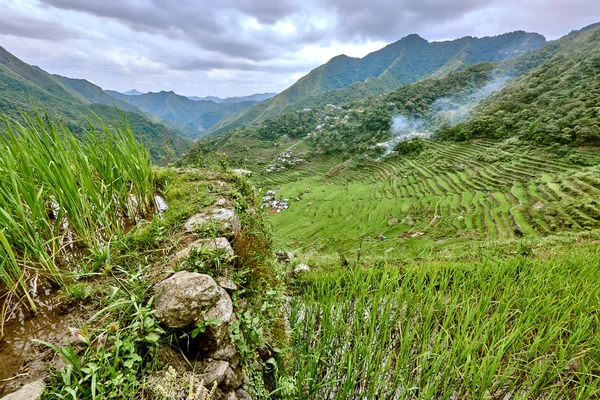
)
(59, 190)
(518, 328)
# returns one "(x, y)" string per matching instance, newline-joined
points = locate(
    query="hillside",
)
(406, 61)
(196, 115)
(23, 84)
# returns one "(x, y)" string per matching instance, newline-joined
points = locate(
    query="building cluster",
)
(275, 203)
(286, 160)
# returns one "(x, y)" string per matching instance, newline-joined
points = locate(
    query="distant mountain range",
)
(258, 97)
(72, 99)
(238, 99)
(408, 60)
(191, 117)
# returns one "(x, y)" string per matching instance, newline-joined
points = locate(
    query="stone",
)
(242, 395)
(227, 284)
(284, 256)
(222, 202)
(226, 216)
(181, 298)
(213, 371)
(221, 245)
(31, 391)
(220, 371)
(300, 269)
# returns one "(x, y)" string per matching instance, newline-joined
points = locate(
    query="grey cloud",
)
(23, 26)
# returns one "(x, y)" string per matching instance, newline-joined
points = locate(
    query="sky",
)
(239, 47)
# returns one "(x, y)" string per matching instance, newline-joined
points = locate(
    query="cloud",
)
(191, 45)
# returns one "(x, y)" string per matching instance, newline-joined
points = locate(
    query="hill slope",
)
(22, 83)
(406, 61)
(196, 115)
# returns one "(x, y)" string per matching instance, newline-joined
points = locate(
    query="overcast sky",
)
(238, 47)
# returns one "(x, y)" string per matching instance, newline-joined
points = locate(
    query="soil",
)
(21, 359)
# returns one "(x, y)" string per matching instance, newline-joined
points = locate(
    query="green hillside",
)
(508, 181)
(196, 115)
(21, 84)
(406, 61)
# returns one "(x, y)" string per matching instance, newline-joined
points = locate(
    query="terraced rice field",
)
(450, 193)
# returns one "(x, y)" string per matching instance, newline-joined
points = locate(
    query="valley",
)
(420, 222)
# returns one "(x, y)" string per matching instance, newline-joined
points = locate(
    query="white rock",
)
(31, 391)
(220, 245)
(301, 268)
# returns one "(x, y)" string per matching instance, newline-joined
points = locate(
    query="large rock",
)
(181, 299)
(225, 216)
(220, 245)
(31, 391)
(184, 298)
(241, 394)
(220, 372)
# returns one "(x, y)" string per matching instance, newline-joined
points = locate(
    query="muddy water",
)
(21, 327)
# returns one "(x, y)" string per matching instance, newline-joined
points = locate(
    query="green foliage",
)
(440, 329)
(553, 103)
(114, 358)
(408, 60)
(412, 146)
(57, 191)
(69, 101)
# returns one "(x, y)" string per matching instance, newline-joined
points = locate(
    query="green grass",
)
(479, 191)
(522, 326)
(60, 193)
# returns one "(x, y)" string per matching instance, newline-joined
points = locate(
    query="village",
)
(277, 204)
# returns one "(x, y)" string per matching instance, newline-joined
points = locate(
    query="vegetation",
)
(58, 192)
(554, 104)
(71, 100)
(521, 327)
(406, 61)
(195, 115)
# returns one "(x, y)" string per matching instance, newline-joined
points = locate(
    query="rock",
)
(300, 269)
(284, 256)
(226, 216)
(220, 372)
(222, 202)
(221, 245)
(31, 391)
(227, 284)
(242, 395)
(181, 298)
(213, 371)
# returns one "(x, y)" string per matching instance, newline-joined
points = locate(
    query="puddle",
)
(21, 327)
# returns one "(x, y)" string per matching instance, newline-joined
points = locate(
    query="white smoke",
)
(449, 110)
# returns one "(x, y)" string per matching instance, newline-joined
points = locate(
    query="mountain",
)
(406, 61)
(554, 104)
(258, 97)
(73, 99)
(133, 92)
(196, 115)
(547, 96)
(207, 98)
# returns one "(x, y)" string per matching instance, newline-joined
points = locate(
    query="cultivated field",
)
(448, 194)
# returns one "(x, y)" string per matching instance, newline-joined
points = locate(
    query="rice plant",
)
(59, 191)
(515, 328)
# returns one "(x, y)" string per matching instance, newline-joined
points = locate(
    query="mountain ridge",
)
(399, 63)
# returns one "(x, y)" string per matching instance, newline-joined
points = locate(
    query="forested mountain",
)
(21, 84)
(406, 61)
(196, 115)
(548, 95)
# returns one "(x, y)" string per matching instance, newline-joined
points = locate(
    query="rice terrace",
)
(419, 219)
